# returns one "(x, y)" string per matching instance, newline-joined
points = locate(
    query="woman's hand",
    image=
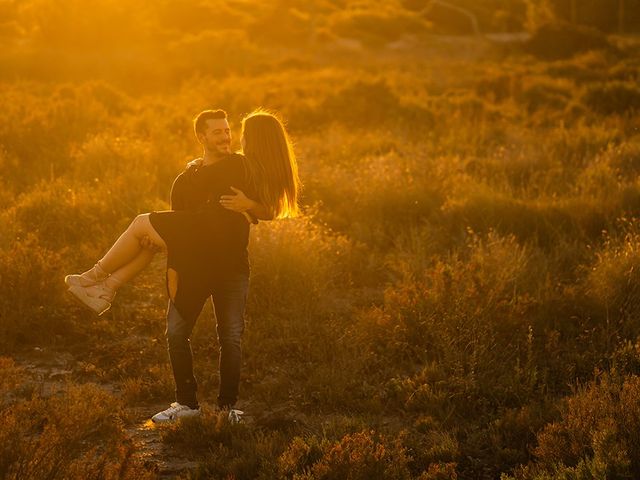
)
(238, 203)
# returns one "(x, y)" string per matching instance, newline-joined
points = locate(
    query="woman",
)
(206, 236)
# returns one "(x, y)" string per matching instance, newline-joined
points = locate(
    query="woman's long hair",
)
(271, 163)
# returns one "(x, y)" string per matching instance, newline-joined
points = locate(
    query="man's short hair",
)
(200, 122)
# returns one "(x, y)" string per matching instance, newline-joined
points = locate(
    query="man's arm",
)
(177, 199)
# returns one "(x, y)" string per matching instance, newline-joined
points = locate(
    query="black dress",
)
(205, 240)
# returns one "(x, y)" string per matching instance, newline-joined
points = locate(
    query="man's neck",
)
(211, 158)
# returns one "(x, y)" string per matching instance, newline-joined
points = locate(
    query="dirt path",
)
(49, 373)
(155, 454)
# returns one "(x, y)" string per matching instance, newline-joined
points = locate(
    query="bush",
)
(376, 27)
(30, 308)
(362, 104)
(359, 456)
(613, 98)
(597, 436)
(613, 283)
(545, 95)
(554, 41)
(297, 260)
(464, 319)
(76, 435)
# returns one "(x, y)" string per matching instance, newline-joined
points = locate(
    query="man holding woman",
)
(206, 236)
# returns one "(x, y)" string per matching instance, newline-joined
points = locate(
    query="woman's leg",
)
(126, 250)
(127, 247)
(130, 270)
(124, 260)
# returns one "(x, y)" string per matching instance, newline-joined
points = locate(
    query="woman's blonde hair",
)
(271, 163)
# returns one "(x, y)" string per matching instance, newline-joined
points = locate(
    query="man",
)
(224, 277)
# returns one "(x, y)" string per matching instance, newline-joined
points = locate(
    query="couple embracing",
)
(205, 235)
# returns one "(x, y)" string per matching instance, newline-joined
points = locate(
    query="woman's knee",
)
(140, 225)
(141, 220)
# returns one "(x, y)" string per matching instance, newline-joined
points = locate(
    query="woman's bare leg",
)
(125, 250)
(125, 259)
(128, 247)
(130, 270)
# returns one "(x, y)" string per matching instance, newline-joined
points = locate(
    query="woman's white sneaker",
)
(77, 280)
(174, 412)
(91, 277)
(97, 297)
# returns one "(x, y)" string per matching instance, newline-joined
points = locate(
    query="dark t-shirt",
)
(205, 240)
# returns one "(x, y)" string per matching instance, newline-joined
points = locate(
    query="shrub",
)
(376, 27)
(283, 25)
(297, 259)
(226, 450)
(363, 104)
(598, 430)
(38, 127)
(29, 307)
(613, 283)
(468, 316)
(11, 378)
(76, 435)
(388, 194)
(359, 456)
(612, 98)
(57, 214)
(554, 41)
(544, 94)
(233, 52)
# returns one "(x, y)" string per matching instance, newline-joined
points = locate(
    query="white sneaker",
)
(174, 412)
(88, 278)
(77, 280)
(235, 416)
(96, 297)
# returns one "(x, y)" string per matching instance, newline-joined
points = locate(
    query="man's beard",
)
(221, 149)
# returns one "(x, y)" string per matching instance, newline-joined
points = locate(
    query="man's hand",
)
(195, 163)
(147, 244)
(238, 203)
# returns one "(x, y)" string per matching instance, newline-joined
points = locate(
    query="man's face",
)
(216, 137)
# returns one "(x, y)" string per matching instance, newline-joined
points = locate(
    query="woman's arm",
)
(240, 203)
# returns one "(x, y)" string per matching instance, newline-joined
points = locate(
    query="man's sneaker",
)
(174, 412)
(96, 297)
(235, 416)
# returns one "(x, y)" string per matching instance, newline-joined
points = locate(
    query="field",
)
(460, 297)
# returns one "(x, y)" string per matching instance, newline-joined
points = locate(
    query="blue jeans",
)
(229, 297)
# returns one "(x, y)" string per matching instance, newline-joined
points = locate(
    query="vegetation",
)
(458, 300)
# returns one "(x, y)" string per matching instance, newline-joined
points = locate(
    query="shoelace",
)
(174, 408)
(235, 416)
